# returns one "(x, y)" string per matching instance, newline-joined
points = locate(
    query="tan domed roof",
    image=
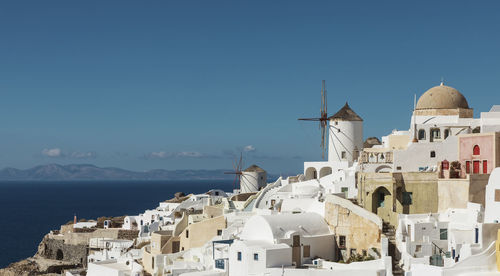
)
(442, 97)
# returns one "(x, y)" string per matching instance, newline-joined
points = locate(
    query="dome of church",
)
(442, 97)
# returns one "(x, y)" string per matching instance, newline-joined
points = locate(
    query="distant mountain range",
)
(91, 172)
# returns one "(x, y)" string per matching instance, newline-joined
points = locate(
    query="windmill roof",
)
(254, 168)
(346, 114)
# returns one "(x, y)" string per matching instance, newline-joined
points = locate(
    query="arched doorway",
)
(379, 199)
(59, 254)
(311, 173)
(325, 171)
(383, 168)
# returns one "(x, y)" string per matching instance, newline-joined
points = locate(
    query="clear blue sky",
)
(186, 84)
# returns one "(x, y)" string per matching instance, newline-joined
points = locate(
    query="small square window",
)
(239, 256)
(219, 232)
(343, 155)
(255, 257)
(398, 168)
(433, 154)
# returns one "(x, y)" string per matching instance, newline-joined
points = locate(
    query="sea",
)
(30, 209)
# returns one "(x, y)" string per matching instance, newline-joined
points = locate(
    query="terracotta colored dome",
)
(442, 97)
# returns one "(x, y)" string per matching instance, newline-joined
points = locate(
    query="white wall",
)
(418, 155)
(344, 136)
(268, 256)
(492, 209)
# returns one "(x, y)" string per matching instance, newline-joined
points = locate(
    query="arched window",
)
(59, 254)
(435, 133)
(446, 133)
(421, 134)
(476, 150)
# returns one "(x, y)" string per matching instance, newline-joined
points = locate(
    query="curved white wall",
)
(344, 136)
(252, 181)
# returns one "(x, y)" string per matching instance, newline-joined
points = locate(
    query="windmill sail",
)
(323, 119)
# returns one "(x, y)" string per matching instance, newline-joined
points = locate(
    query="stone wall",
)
(127, 234)
(419, 188)
(361, 228)
(57, 249)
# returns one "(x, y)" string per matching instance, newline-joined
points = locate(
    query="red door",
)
(485, 167)
(476, 166)
(467, 166)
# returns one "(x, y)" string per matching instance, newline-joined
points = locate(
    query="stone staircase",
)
(390, 233)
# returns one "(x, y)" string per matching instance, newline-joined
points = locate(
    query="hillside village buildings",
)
(421, 201)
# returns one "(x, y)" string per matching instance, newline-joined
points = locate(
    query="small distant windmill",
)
(237, 166)
(322, 119)
(250, 180)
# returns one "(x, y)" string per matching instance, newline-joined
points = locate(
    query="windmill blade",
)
(235, 181)
(234, 166)
(309, 119)
(241, 163)
(322, 98)
(323, 119)
(325, 100)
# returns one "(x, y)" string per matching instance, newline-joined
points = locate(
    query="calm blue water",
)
(29, 210)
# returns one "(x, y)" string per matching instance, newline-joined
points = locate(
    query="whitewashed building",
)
(269, 241)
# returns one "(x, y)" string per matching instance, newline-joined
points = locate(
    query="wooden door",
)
(476, 166)
(175, 246)
(296, 251)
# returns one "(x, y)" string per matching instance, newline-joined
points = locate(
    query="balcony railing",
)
(376, 157)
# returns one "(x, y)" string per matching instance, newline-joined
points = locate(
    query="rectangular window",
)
(219, 232)
(255, 257)
(407, 198)
(306, 251)
(187, 234)
(239, 256)
(343, 155)
(418, 248)
(497, 195)
(443, 234)
(353, 251)
(344, 190)
(467, 166)
(342, 242)
(219, 263)
(485, 167)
